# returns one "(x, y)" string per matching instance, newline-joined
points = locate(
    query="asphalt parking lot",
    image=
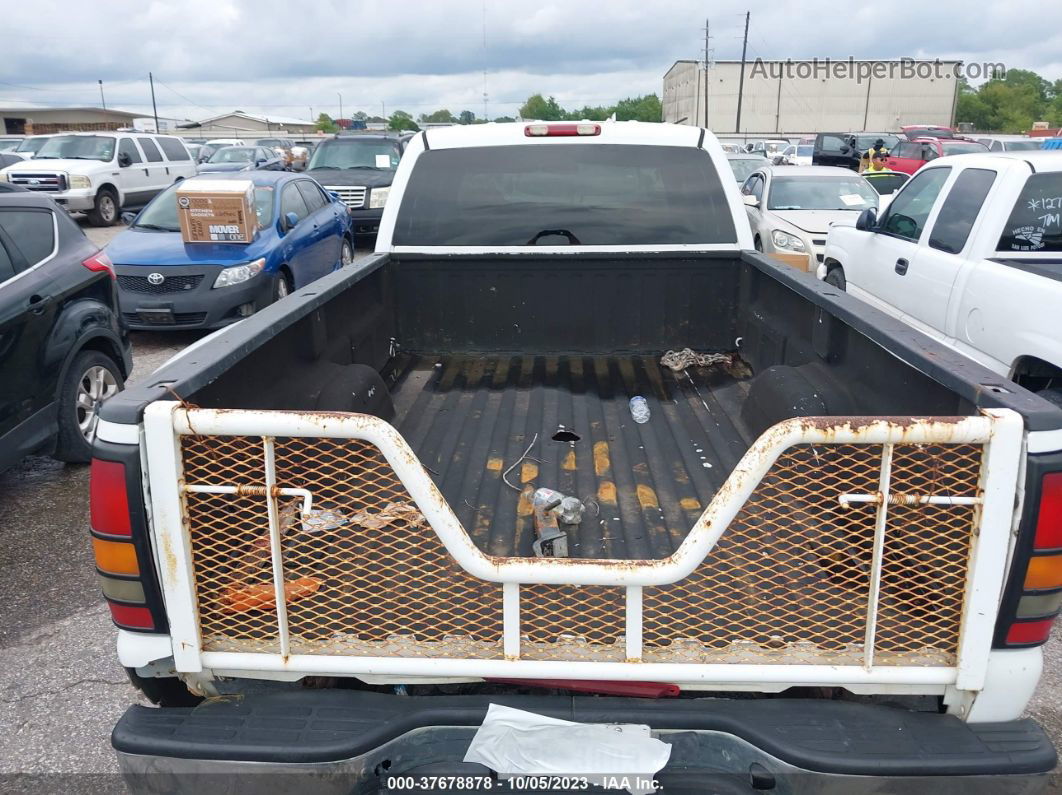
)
(60, 680)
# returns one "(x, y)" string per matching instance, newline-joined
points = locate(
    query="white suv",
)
(99, 173)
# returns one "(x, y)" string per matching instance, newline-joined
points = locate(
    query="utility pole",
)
(103, 102)
(340, 104)
(741, 80)
(154, 110)
(706, 59)
(383, 109)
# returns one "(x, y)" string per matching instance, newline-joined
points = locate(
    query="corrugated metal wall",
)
(779, 98)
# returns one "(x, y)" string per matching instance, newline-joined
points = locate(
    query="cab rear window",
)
(1035, 223)
(564, 194)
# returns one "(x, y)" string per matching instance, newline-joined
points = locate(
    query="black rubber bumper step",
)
(314, 726)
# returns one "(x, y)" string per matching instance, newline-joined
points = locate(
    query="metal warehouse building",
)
(811, 96)
(26, 119)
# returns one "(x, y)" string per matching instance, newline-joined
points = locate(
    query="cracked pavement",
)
(60, 682)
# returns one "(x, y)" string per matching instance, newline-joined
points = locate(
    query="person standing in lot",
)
(868, 156)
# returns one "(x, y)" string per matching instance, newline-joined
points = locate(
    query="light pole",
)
(340, 104)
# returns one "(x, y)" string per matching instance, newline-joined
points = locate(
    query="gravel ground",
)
(60, 682)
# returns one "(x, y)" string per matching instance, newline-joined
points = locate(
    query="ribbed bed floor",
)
(469, 419)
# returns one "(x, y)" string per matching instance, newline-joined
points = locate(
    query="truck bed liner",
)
(470, 417)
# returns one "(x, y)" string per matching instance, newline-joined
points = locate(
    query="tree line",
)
(1010, 104)
(646, 108)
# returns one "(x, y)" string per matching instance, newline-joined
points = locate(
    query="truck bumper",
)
(366, 222)
(77, 200)
(347, 741)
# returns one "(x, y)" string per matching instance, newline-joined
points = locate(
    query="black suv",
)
(359, 167)
(62, 350)
(845, 149)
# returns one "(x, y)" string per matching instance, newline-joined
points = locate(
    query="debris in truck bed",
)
(261, 596)
(551, 509)
(680, 360)
(392, 512)
(517, 462)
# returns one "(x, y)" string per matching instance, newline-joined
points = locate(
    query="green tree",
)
(439, 117)
(538, 108)
(501, 119)
(325, 124)
(466, 117)
(645, 108)
(400, 120)
(376, 119)
(592, 114)
(360, 115)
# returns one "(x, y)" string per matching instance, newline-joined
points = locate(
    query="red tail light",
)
(134, 617)
(1049, 522)
(1028, 633)
(100, 262)
(108, 502)
(549, 130)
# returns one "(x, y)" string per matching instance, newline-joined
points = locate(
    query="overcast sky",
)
(212, 56)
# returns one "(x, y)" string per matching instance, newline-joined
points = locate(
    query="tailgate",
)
(841, 550)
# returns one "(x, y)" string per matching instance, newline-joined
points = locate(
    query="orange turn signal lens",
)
(115, 557)
(1045, 571)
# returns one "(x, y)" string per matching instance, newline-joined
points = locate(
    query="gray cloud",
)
(285, 58)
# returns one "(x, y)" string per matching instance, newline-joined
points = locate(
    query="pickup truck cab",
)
(100, 173)
(817, 551)
(909, 156)
(970, 252)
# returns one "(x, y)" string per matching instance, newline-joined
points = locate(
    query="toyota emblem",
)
(156, 279)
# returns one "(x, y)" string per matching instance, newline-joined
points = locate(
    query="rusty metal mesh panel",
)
(927, 549)
(365, 573)
(230, 542)
(572, 622)
(789, 580)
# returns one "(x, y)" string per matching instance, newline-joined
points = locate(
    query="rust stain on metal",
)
(602, 464)
(690, 504)
(646, 496)
(495, 464)
(569, 461)
(524, 506)
(528, 471)
(606, 492)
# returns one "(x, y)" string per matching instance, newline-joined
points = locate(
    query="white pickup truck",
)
(819, 554)
(970, 252)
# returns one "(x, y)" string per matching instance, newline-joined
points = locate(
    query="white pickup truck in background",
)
(970, 252)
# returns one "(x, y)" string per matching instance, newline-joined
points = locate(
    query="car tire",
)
(346, 253)
(281, 286)
(165, 691)
(835, 276)
(91, 378)
(105, 208)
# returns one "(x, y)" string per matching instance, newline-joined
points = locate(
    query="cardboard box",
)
(217, 211)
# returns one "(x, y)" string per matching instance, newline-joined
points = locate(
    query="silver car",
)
(791, 208)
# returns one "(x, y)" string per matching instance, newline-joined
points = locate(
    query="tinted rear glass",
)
(963, 147)
(1035, 223)
(599, 194)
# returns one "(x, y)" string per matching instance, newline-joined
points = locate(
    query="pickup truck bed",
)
(469, 418)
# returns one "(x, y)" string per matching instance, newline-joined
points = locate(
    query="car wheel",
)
(105, 208)
(281, 286)
(346, 254)
(835, 276)
(92, 378)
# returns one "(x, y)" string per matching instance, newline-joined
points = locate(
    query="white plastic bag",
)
(513, 742)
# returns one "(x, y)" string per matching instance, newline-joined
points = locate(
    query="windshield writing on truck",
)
(1035, 223)
(564, 194)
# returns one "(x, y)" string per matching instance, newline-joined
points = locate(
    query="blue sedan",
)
(164, 283)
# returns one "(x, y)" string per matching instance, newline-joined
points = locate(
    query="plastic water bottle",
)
(639, 409)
